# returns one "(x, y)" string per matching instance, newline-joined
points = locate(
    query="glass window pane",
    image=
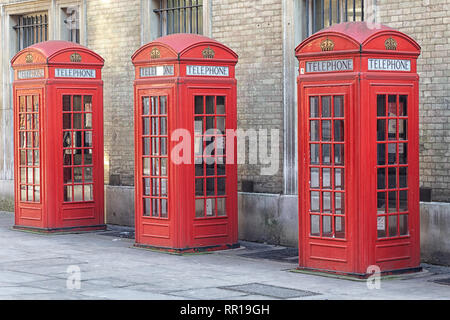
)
(68, 197)
(381, 125)
(37, 194)
(88, 192)
(30, 176)
(326, 107)
(164, 167)
(326, 202)
(392, 129)
(146, 146)
(221, 186)
(403, 201)
(88, 139)
(315, 226)
(340, 227)
(88, 157)
(381, 227)
(164, 188)
(67, 121)
(146, 126)
(314, 107)
(326, 178)
(392, 106)
(220, 105)
(339, 154)
(163, 105)
(403, 106)
(164, 211)
(381, 179)
(392, 172)
(403, 153)
(155, 207)
(339, 130)
(147, 207)
(381, 105)
(326, 130)
(326, 154)
(37, 176)
(221, 207)
(392, 153)
(221, 124)
(315, 204)
(67, 103)
(78, 193)
(210, 107)
(327, 227)
(381, 154)
(393, 227)
(404, 227)
(200, 208)
(78, 175)
(381, 203)
(155, 106)
(339, 202)
(88, 103)
(403, 173)
(392, 201)
(77, 103)
(339, 179)
(210, 207)
(338, 106)
(199, 105)
(403, 129)
(315, 133)
(147, 187)
(315, 182)
(315, 153)
(210, 186)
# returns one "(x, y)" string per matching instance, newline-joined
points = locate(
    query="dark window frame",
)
(180, 16)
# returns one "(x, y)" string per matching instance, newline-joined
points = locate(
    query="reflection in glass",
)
(221, 207)
(381, 227)
(403, 106)
(200, 208)
(164, 211)
(326, 130)
(392, 153)
(314, 107)
(315, 226)
(163, 105)
(199, 105)
(339, 179)
(326, 202)
(381, 105)
(339, 106)
(154, 106)
(315, 153)
(392, 129)
(326, 107)
(393, 227)
(88, 121)
(315, 178)
(326, 178)
(340, 227)
(404, 228)
(77, 103)
(315, 133)
(88, 192)
(327, 227)
(210, 207)
(88, 103)
(381, 203)
(147, 189)
(315, 198)
(381, 125)
(37, 194)
(403, 129)
(326, 154)
(78, 193)
(339, 203)
(392, 106)
(381, 154)
(339, 130)
(220, 105)
(339, 156)
(68, 197)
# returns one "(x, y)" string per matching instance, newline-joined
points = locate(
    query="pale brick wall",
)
(428, 22)
(253, 29)
(113, 31)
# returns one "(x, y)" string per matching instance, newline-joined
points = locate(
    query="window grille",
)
(180, 16)
(31, 29)
(324, 13)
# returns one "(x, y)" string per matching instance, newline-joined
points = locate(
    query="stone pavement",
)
(38, 267)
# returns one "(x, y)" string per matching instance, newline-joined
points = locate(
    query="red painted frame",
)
(181, 231)
(52, 214)
(361, 247)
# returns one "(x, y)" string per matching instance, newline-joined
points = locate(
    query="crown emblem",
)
(208, 53)
(327, 45)
(391, 44)
(76, 57)
(155, 54)
(29, 58)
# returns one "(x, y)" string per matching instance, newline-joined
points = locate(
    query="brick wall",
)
(114, 33)
(253, 29)
(428, 22)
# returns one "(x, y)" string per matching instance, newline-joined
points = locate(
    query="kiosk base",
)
(188, 250)
(61, 230)
(360, 275)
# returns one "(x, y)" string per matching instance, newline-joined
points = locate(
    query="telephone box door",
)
(152, 161)
(28, 152)
(215, 174)
(397, 173)
(327, 216)
(81, 147)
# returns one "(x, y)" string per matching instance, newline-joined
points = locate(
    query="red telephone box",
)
(58, 136)
(186, 180)
(359, 150)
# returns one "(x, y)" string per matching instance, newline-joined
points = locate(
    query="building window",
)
(180, 16)
(31, 29)
(324, 13)
(71, 24)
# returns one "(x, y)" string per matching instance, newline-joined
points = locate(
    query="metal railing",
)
(180, 16)
(31, 29)
(324, 13)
